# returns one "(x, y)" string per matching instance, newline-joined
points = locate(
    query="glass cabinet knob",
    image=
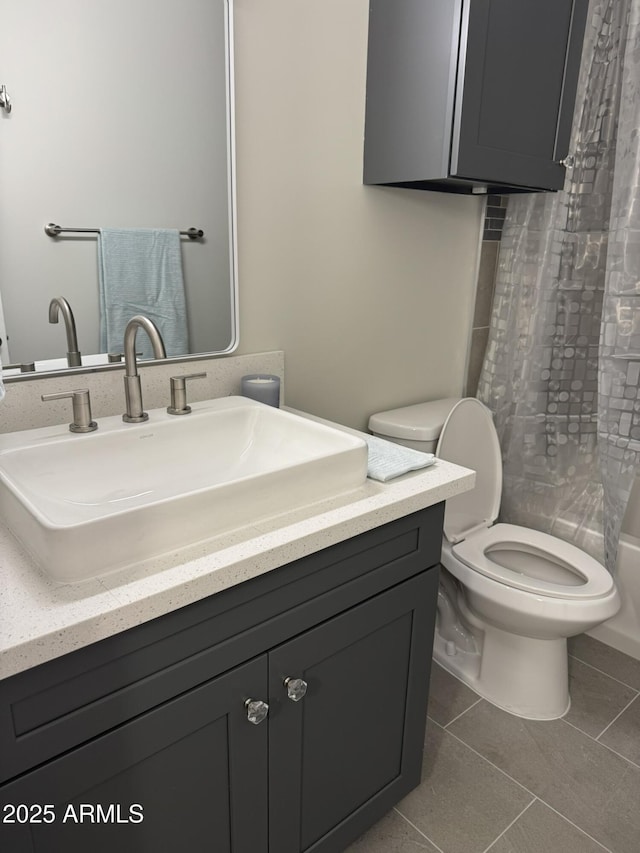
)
(568, 162)
(296, 688)
(257, 711)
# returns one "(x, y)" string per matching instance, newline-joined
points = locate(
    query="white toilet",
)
(509, 596)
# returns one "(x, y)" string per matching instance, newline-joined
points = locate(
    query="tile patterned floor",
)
(494, 783)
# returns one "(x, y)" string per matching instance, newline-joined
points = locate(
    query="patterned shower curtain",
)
(563, 357)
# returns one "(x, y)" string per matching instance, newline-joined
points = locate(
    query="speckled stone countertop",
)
(41, 620)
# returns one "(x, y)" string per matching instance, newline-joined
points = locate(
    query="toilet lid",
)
(570, 573)
(420, 422)
(469, 438)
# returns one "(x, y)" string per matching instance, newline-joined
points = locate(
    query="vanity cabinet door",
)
(351, 746)
(190, 775)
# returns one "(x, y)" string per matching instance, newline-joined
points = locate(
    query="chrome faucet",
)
(58, 306)
(132, 387)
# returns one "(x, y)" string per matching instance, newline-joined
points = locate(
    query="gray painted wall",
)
(368, 290)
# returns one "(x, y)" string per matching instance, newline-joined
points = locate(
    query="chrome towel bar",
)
(55, 230)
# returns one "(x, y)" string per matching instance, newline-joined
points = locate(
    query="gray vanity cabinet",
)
(344, 754)
(152, 726)
(471, 95)
(193, 769)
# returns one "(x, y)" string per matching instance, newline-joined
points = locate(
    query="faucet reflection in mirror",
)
(58, 306)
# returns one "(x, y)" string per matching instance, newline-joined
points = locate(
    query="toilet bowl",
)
(509, 596)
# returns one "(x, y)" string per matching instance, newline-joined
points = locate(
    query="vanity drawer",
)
(61, 704)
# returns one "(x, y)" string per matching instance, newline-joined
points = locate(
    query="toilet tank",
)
(416, 426)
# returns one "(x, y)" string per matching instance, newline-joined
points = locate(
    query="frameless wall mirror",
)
(122, 117)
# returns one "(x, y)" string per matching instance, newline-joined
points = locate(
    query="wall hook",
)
(5, 100)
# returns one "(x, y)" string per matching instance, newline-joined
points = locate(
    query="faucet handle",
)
(179, 393)
(81, 409)
(116, 357)
(25, 366)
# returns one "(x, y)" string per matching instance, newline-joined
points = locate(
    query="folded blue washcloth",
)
(388, 460)
(140, 272)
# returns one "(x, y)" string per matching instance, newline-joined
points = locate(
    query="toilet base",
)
(522, 675)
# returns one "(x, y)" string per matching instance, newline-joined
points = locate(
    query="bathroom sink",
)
(86, 505)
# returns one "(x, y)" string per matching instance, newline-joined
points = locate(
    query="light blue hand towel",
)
(140, 272)
(388, 460)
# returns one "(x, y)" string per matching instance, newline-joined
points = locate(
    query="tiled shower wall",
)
(491, 234)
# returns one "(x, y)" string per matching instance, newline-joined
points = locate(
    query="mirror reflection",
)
(121, 119)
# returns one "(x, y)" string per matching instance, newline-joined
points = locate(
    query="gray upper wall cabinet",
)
(471, 96)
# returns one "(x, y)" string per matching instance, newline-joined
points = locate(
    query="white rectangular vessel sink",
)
(84, 505)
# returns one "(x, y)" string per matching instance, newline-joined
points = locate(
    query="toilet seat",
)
(469, 438)
(593, 580)
(518, 557)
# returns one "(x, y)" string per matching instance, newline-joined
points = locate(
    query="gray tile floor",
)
(494, 783)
